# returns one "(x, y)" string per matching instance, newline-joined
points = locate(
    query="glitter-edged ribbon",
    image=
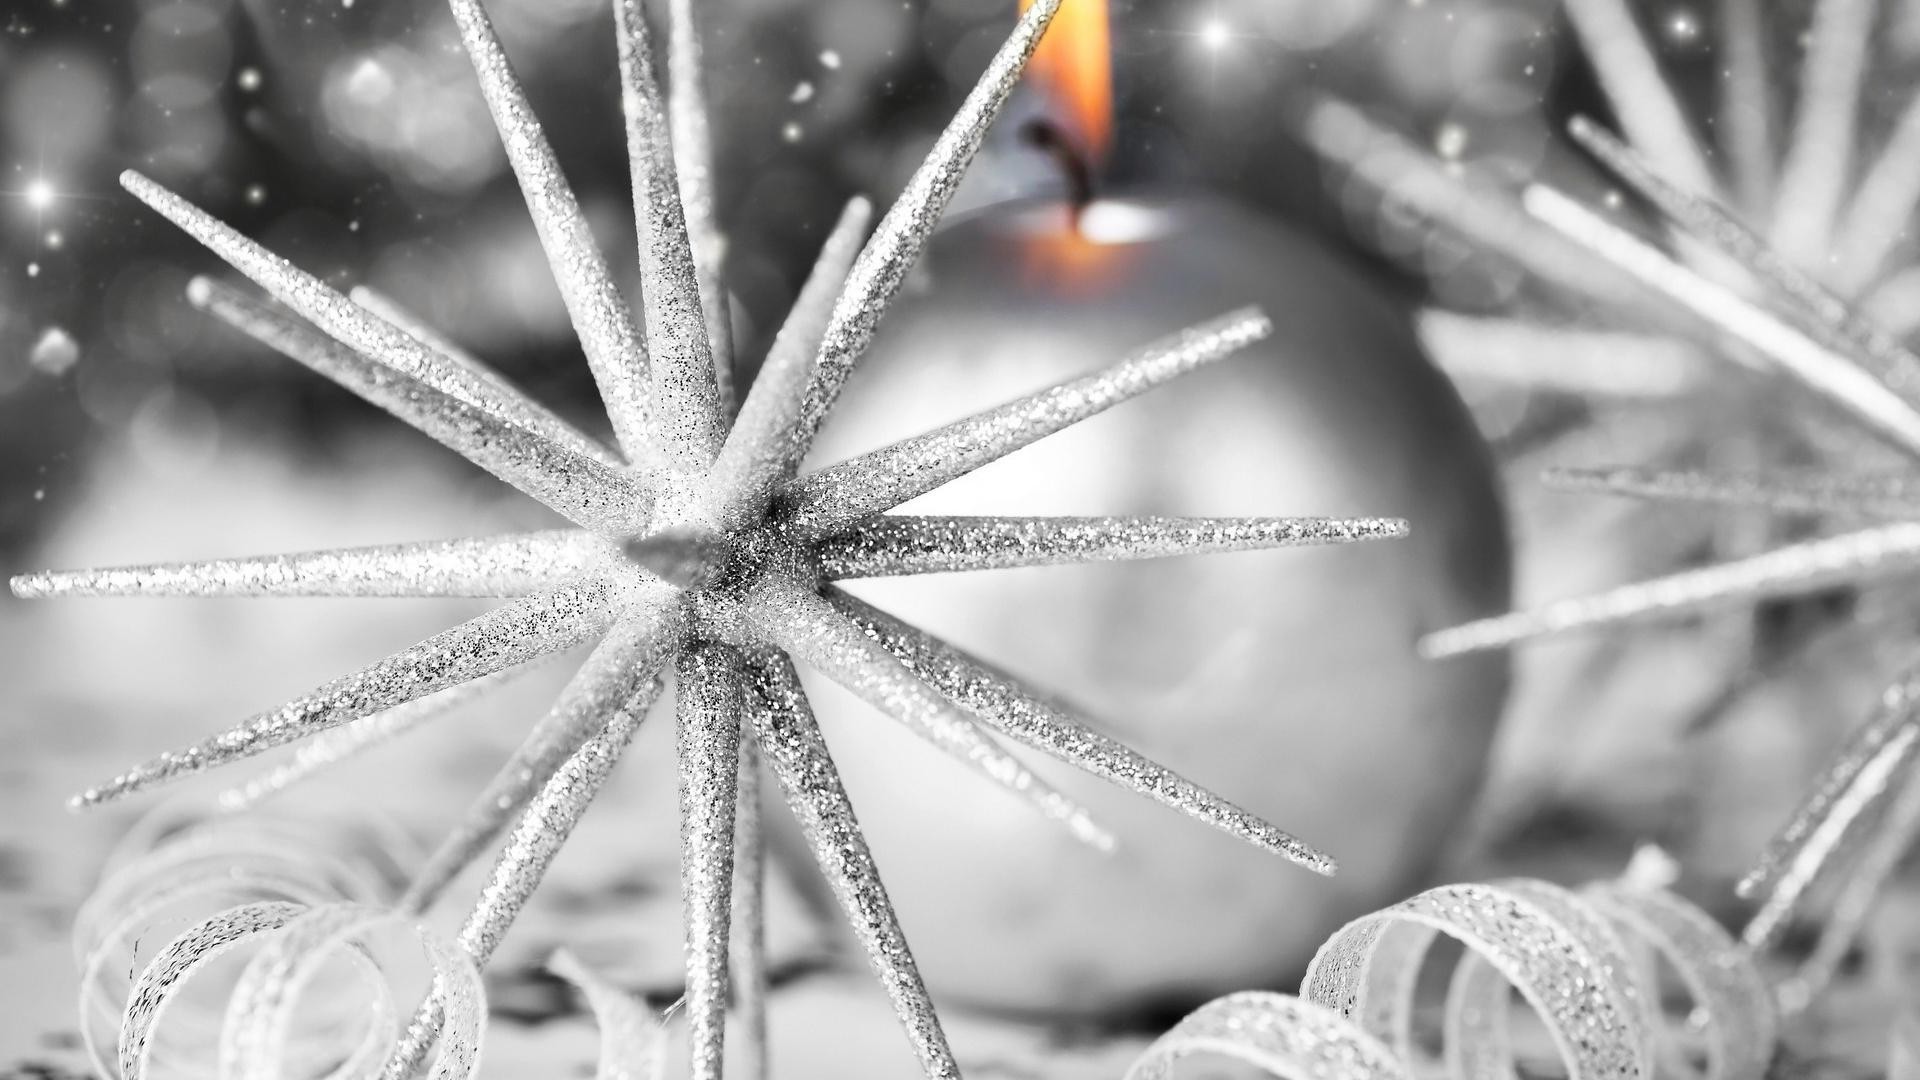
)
(1586, 962)
(314, 905)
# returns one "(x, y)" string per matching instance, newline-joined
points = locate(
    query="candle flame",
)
(1081, 251)
(1074, 66)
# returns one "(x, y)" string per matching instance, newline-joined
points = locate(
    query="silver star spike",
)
(697, 554)
(1872, 495)
(1644, 100)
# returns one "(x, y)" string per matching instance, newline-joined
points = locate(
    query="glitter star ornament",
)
(698, 551)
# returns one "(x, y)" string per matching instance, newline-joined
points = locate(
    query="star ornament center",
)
(697, 549)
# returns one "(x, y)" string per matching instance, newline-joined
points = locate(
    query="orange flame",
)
(1074, 65)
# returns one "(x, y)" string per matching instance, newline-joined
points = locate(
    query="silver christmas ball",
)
(1285, 680)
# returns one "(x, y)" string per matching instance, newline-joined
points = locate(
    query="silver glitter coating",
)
(675, 530)
(230, 878)
(330, 748)
(693, 160)
(1858, 394)
(536, 838)
(1283, 1036)
(288, 887)
(549, 819)
(495, 566)
(354, 326)
(1826, 315)
(601, 317)
(903, 233)
(709, 746)
(1854, 783)
(1887, 495)
(1585, 963)
(381, 348)
(510, 399)
(888, 545)
(809, 629)
(538, 835)
(1477, 1020)
(1730, 996)
(843, 495)
(783, 724)
(262, 1006)
(684, 394)
(633, 652)
(633, 1041)
(513, 634)
(748, 942)
(1003, 703)
(754, 458)
(1880, 552)
(162, 976)
(1858, 894)
(1565, 962)
(578, 487)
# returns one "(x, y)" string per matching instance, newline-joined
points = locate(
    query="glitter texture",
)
(684, 391)
(1004, 704)
(842, 495)
(576, 486)
(504, 566)
(610, 679)
(1736, 1007)
(521, 631)
(330, 748)
(601, 318)
(788, 734)
(932, 545)
(513, 404)
(693, 161)
(293, 894)
(709, 744)
(1581, 961)
(1563, 959)
(698, 554)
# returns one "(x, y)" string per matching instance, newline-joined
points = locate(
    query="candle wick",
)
(1049, 138)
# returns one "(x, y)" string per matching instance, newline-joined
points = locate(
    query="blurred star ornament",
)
(1791, 278)
(1286, 680)
(696, 547)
